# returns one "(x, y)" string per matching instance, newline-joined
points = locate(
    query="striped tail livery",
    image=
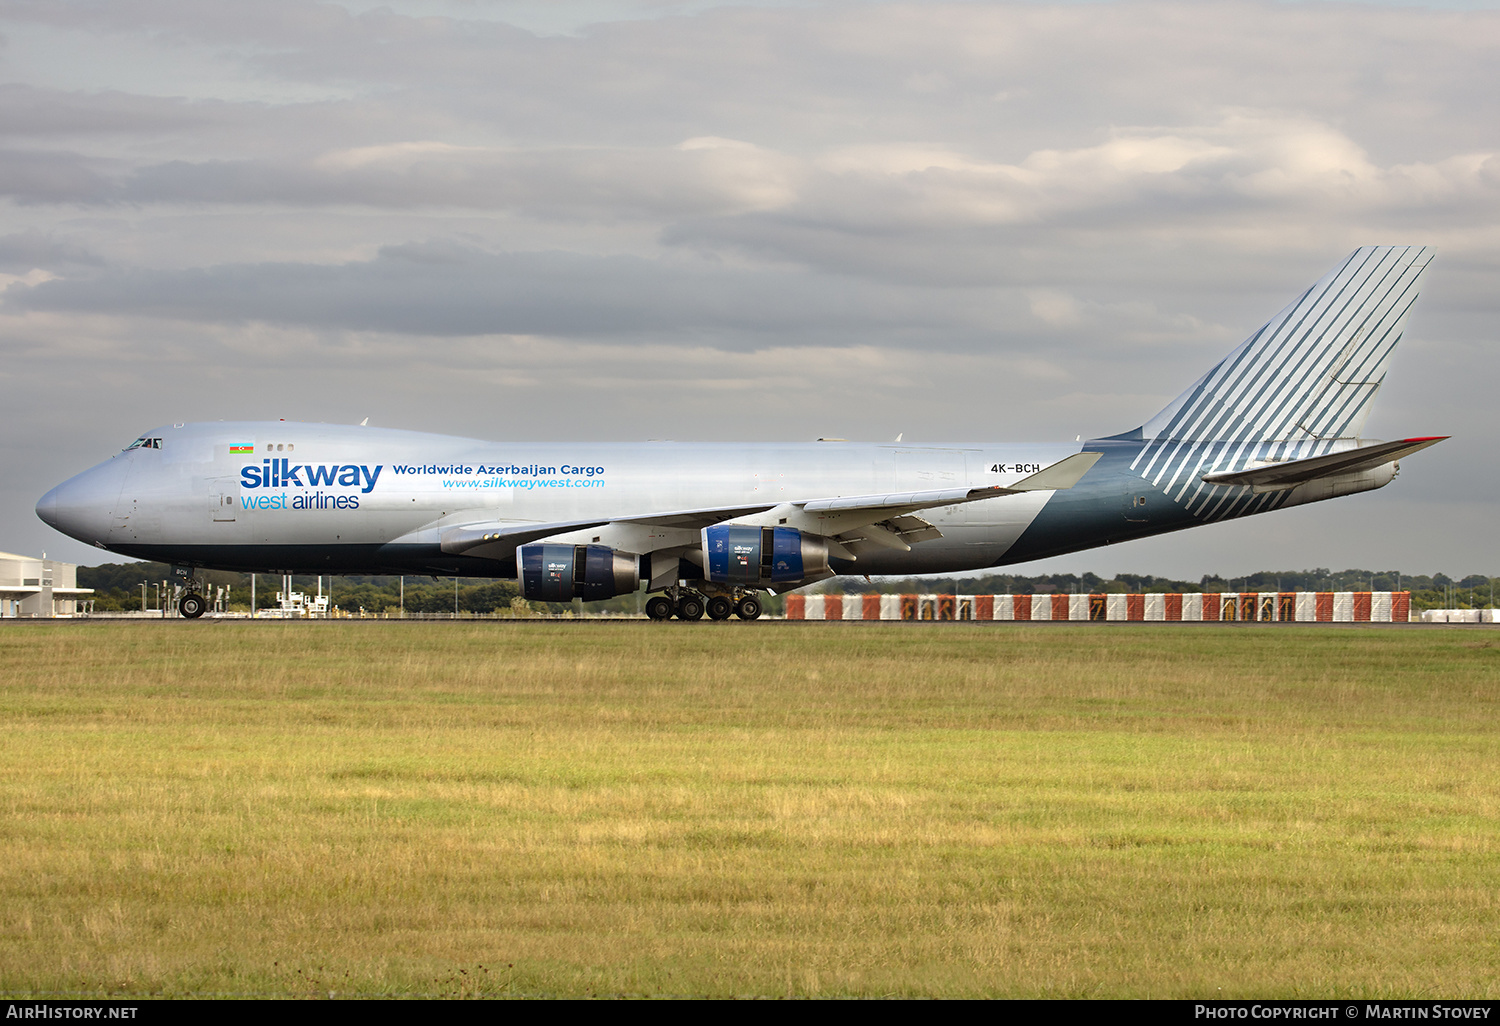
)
(1278, 422)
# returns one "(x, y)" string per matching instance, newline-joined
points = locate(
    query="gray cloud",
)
(704, 176)
(41, 113)
(52, 177)
(447, 289)
(29, 250)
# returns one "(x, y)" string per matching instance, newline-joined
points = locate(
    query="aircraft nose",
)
(47, 507)
(81, 506)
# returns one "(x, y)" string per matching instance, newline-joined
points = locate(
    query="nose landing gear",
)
(192, 604)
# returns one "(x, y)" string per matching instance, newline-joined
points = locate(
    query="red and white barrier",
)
(1264, 606)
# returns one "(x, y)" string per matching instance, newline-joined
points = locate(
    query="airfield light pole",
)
(403, 596)
(252, 596)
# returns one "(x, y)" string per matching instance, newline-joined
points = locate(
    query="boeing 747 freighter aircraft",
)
(1276, 423)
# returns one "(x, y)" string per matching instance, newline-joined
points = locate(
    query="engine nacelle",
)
(561, 573)
(758, 556)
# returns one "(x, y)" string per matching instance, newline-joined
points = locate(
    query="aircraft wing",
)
(1291, 473)
(859, 523)
(512, 533)
(1063, 474)
(832, 516)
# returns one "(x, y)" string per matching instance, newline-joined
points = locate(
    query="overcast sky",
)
(630, 220)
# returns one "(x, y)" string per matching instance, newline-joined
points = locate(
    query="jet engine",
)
(758, 556)
(561, 573)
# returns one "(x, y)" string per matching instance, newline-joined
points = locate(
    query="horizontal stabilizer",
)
(1291, 473)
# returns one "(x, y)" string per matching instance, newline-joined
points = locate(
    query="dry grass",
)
(566, 808)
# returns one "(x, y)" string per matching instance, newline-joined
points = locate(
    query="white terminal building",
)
(38, 587)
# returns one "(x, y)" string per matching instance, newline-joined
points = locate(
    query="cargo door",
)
(223, 499)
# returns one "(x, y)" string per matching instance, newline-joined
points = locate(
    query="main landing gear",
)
(686, 604)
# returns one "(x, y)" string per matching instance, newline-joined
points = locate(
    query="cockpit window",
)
(144, 442)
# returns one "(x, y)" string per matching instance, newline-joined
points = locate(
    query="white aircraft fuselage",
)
(318, 498)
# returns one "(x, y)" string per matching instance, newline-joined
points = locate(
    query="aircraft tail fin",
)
(1310, 375)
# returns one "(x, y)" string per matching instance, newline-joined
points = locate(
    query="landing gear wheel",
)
(720, 608)
(191, 606)
(690, 607)
(659, 608)
(749, 608)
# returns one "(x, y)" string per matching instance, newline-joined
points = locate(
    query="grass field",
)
(749, 809)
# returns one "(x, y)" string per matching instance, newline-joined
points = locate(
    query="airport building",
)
(39, 587)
